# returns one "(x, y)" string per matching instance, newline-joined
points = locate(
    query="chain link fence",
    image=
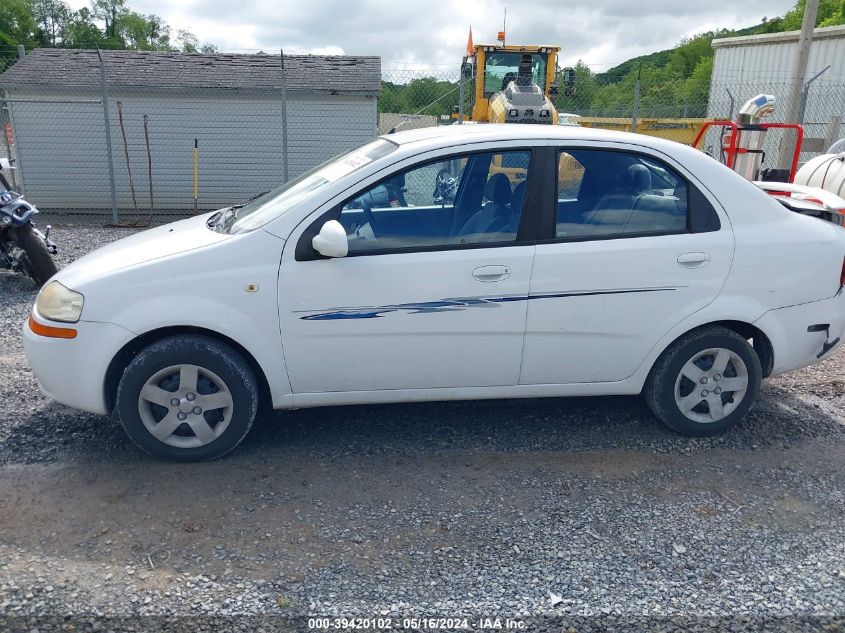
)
(140, 137)
(120, 147)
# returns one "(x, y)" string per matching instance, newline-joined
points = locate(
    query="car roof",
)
(454, 136)
(482, 132)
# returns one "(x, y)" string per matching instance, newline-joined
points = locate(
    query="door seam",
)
(525, 320)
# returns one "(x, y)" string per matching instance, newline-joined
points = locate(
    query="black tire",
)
(38, 262)
(666, 389)
(216, 362)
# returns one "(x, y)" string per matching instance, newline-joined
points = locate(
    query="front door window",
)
(470, 199)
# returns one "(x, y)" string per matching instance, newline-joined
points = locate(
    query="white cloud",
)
(601, 33)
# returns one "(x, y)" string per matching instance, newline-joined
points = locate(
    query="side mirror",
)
(466, 71)
(553, 89)
(331, 240)
(569, 82)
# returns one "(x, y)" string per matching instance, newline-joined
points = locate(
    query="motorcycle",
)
(23, 248)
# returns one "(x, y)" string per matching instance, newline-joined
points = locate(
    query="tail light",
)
(842, 275)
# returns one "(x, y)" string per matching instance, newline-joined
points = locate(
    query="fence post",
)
(6, 119)
(635, 107)
(461, 98)
(284, 118)
(21, 51)
(805, 94)
(104, 97)
(833, 127)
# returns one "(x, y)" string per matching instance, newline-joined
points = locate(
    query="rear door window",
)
(603, 193)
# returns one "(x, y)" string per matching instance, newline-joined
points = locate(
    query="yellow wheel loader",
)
(511, 83)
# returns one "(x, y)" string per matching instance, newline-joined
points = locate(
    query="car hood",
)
(163, 241)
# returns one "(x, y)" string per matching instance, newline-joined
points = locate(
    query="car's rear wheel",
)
(705, 382)
(188, 398)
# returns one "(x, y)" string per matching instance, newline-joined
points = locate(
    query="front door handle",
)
(491, 273)
(693, 260)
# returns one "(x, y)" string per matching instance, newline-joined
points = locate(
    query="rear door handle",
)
(491, 273)
(693, 260)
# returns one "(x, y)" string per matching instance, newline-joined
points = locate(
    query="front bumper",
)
(797, 335)
(73, 371)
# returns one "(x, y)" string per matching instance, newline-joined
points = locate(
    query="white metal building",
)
(746, 66)
(231, 104)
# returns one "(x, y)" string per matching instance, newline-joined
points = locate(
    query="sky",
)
(433, 34)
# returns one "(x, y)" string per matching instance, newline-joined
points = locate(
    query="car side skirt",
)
(335, 398)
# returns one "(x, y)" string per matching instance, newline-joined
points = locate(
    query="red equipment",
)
(730, 153)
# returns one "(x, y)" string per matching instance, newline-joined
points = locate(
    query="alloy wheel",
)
(185, 406)
(711, 385)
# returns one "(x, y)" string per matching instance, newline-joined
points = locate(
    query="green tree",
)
(831, 13)
(110, 12)
(392, 98)
(82, 31)
(695, 90)
(142, 32)
(52, 17)
(187, 41)
(429, 95)
(17, 24)
(583, 93)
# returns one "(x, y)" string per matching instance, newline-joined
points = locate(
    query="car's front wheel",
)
(188, 398)
(705, 382)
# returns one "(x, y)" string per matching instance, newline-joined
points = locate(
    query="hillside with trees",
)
(675, 82)
(103, 24)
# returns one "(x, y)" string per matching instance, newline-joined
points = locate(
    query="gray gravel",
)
(582, 513)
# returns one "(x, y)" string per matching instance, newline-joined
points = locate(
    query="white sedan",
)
(458, 262)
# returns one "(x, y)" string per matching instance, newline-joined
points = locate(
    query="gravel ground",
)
(561, 514)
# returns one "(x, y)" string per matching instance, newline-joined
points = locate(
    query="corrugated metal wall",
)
(764, 64)
(63, 160)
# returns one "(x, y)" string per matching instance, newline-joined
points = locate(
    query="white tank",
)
(825, 172)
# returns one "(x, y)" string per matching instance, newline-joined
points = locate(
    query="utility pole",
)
(799, 71)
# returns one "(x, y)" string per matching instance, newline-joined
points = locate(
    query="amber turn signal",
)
(49, 331)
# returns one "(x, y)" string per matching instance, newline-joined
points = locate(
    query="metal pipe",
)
(149, 165)
(461, 97)
(756, 108)
(805, 94)
(285, 173)
(105, 99)
(196, 174)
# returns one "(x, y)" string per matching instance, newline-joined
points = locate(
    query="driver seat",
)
(496, 214)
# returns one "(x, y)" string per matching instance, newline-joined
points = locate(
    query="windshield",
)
(277, 202)
(502, 68)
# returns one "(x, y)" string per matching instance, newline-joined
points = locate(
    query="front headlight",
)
(57, 303)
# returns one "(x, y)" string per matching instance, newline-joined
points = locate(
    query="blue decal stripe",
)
(452, 305)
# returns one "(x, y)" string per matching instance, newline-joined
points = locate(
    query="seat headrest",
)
(639, 178)
(498, 189)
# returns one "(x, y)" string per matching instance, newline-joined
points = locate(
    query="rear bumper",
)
(787, 328)
(73, 371)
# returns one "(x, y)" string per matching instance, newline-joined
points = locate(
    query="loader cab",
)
(493, 67)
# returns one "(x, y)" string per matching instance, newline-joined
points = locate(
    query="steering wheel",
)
(371, 217)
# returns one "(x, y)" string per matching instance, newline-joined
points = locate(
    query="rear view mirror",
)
(331, 240)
